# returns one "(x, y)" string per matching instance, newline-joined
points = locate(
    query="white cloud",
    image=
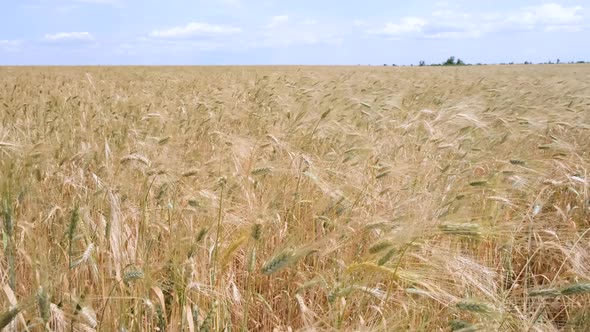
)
(454, 34)
(406, 26)
(10, 45)
(194, 30)
(278, 20)
(309, 22)
(549, 16)
(9, 42)
(453, 24)
(553, 14)
(69, 37)
(563, 28)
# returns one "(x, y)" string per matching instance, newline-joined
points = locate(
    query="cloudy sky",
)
(215, 32)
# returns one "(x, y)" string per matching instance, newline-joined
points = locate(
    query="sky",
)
(269, 32)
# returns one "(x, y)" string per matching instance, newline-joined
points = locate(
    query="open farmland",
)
(304, 198)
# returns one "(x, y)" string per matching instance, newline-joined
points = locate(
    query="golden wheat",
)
(295, 198)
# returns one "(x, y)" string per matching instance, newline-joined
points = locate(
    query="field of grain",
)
(295, 198)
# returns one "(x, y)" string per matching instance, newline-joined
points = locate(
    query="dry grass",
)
(374, 199)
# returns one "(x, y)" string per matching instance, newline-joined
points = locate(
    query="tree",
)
(450, 61)
(422, 63)
(460, 62)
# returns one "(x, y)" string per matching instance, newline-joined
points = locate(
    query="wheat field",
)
(295, 198)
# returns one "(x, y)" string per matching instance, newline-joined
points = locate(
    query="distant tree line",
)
(454, 61)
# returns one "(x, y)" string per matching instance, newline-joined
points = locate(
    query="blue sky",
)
(193, 32)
